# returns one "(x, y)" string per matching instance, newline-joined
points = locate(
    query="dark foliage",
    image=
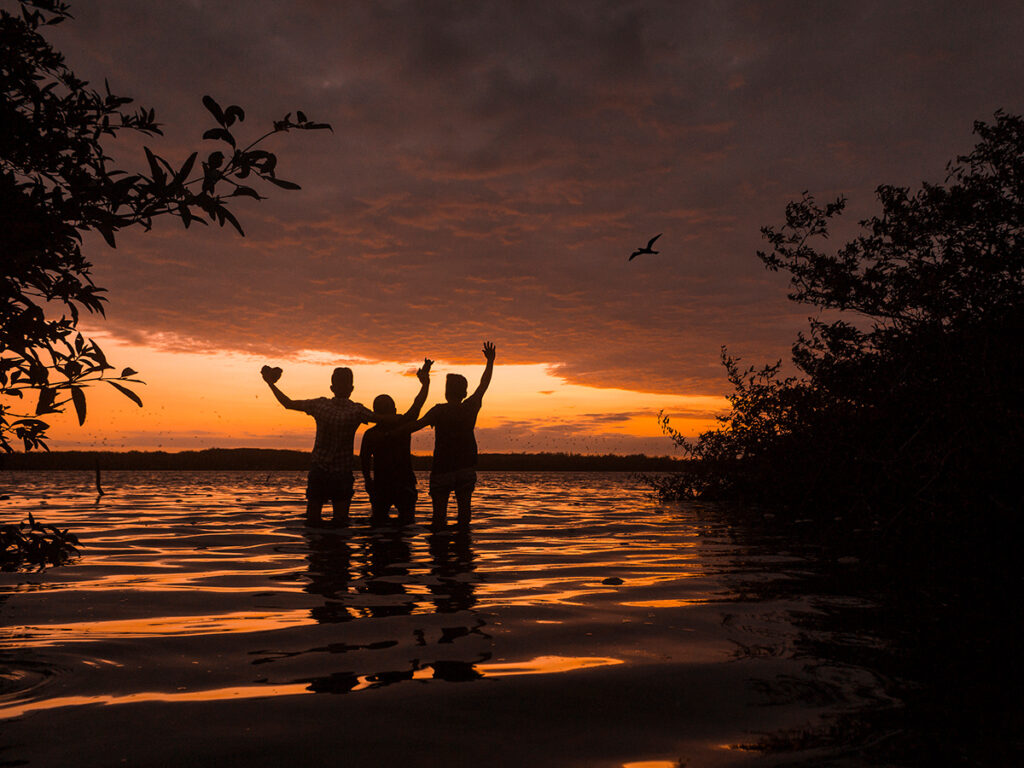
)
(913, 662)
(31, 545)
(907, 388)
(58, 182)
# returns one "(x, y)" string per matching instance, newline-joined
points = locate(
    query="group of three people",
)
(385, 452)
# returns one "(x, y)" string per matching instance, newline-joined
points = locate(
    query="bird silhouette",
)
(646, 248)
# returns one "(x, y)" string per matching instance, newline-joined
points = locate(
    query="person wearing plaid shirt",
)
(337, 418)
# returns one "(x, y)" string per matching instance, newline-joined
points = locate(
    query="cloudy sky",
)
(492, 166)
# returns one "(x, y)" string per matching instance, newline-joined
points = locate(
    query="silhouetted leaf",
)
(108, 235)
(283, 184)
(98, 356)
(222, 134)
(182, 175)
(154, 167)
(46, 398)
(227, 215)
(241, 191)
(214, 108)
(122, 186)
(129, 372)
(78, 398)
(234, 112)
(126, 392)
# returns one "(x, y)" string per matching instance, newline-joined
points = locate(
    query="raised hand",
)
(423, 374)
(489, 351)
(270, 375)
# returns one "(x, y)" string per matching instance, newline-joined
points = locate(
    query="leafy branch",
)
(58, 182)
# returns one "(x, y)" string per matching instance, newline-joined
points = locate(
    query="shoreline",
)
(278, 460)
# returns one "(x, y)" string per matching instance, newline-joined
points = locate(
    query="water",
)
(580, 623)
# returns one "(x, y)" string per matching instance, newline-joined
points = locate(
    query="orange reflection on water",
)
(213, 694)
(174, 579)
(676, 603)
(541, 665)
(545, 665)
(556, 550)
(157, 626)
(572, 590)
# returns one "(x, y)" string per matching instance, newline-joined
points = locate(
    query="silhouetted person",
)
(386, 458)
(337, 418)
(455, 453)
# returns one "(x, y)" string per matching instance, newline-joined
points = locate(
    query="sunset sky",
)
(492, 166)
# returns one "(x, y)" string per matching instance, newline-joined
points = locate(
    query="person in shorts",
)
(337, 418)
(455, 451)
(386, 458)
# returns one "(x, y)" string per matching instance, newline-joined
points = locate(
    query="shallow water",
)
(579, 623)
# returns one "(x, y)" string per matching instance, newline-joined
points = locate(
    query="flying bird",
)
(647, 248)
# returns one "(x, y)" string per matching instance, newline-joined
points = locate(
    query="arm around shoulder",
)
(416, 426)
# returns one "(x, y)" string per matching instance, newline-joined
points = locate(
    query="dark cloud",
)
(493, 164)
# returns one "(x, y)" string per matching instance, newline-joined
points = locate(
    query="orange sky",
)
(218, 400)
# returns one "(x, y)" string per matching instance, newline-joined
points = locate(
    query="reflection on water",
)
(910, 662)
(657, 633)
(200, 555)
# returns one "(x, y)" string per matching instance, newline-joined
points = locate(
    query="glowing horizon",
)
(216, 399)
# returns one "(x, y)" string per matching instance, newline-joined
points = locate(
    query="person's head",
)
(455, 388)
(341, 382)
(383, 405)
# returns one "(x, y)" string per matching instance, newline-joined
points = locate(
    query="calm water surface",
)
(580, 623)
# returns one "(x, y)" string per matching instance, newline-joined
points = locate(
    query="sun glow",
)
(207, 399)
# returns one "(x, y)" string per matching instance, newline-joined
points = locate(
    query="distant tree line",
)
(905, 404)
(224, 459)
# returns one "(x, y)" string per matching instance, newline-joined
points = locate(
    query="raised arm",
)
(271, 375)
(423, 374)
(485, 379)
